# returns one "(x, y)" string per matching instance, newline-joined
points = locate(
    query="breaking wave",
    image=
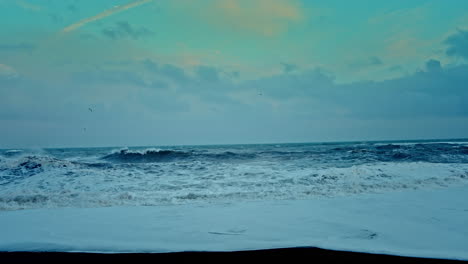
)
(98, 177)
(166, 155)
(169, 184)
(148, 155)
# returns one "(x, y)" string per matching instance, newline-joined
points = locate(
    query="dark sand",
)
(303, 255)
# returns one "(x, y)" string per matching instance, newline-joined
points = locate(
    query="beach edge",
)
(317, 255)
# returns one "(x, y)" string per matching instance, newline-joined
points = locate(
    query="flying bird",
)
(89, 108)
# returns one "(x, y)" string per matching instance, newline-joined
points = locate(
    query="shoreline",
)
(428, 224)
(317, 255)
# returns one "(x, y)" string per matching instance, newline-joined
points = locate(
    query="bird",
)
(89, 108)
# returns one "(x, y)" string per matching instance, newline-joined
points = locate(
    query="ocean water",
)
(151, 176)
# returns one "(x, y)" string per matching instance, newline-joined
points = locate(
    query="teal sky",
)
(231, 71)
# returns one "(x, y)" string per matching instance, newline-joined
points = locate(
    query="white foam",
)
(13, 151)
(410, 223)
(136, 151)
(65, 184)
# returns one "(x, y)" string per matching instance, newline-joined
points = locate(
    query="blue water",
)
(95, 177)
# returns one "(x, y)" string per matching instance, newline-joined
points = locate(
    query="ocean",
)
(152, 176)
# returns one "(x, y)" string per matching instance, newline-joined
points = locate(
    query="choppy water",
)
(96, 177)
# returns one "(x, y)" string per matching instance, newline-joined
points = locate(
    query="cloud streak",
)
(28, 6)
(108, 12)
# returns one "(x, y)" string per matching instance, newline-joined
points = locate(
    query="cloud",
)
(433, 65)
(458, 44)
(109, 77)
(262, 17)
(21, 47)
(288, 67)
(430, 94)
(29, 6)
(124, 30)
(106, 13)
(395, 68)
(202, 74)
(7, 72)
(436, 92)
(207, 73)
(167, 71)
(301, 106)
(439, 92)
(366, 63)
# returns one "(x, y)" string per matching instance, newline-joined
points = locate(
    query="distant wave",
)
(166, 155)
(414, 152)
(13, 152)
(148, 155)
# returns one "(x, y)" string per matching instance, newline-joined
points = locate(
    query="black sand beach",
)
(309, 255)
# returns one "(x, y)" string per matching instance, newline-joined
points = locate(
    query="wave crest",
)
(143, 156)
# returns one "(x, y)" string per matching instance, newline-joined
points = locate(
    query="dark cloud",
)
(207, 73)
(120, 77)
(234, 74)
(288, 67)
(433, 65)
(437, 92)
(167, 71)
(115, 92)
(285, 86)
(151, 65)
(395, 68)
(173, 72)
(124, 30)
(21, 47)
(109, 77)
(458, 44)
(301, 106)
(365, 63)
(210, 84)
(375, 61)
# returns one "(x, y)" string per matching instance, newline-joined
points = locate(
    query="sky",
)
(79, 73)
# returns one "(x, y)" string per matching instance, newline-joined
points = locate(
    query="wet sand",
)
(306, 255)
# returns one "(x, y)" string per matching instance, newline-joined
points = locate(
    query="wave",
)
(427, 152)
(27, 166)
(167, 155)
(171, 185)
(25, 199)
(12, 152)
(144, 156)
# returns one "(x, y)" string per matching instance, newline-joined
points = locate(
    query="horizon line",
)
(238, 144)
